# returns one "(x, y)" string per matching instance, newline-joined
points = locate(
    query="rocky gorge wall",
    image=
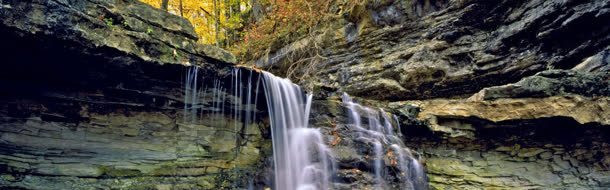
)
(492, 94)
(97, 95)
(92, 97)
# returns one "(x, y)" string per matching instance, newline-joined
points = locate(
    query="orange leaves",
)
(286, 21)
(393, 159)
(249, 32)
(335, 134)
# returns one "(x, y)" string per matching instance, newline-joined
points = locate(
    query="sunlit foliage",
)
(286, 21)
(249, 27)
(204, 14)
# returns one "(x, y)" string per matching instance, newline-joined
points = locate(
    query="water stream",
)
(385, 142)
(301, 158)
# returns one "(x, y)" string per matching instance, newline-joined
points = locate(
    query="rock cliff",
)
(92, 98)
(491, 95)
(494, 94)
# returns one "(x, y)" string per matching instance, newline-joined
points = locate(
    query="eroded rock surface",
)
(92, 95)
(122, 31)
(493, 94)
(92, 98)
(551, 83)
(580, 109)
(433, 49)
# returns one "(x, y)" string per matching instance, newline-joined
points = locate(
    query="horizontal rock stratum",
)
(92, 96)
(508, 94)
(123, 31)
(583, 110)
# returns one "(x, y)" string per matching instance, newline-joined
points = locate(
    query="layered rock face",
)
(493, 94)
(92, 98)
(434, 49)
(504, 95)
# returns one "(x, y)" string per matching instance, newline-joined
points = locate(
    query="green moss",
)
(142, 187)
(109, 22)
(166, 169)
(119, 172)
(149, 31)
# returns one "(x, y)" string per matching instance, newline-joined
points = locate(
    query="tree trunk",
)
(181, 9)
(256, 11)
(164, 4)
(228, 15)
(217, 19)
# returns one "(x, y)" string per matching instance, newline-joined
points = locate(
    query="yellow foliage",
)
(268, 22)
(202, 14)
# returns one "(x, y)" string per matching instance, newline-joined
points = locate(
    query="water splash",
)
(302, 160)
(380, 136)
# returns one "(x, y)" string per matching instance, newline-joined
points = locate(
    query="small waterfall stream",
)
(385, 142)
(301, 158)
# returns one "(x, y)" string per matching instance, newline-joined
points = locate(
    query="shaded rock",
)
(123, 32)
(505, 156)
(550, 83)
(581, 109)
(599, 62)
(435, 49)
(529, 152)
(92, 97)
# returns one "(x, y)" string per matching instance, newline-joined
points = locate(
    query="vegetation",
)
(286, 21)
(218, 22)
(248, 27)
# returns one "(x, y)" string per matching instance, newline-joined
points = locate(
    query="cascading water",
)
(383, 142)
(300, 155)
(301, 159)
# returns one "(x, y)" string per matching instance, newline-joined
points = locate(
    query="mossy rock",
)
(111, 171)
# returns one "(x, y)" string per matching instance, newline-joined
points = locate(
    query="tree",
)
(181, 8)
(164, 4)
(216, 20)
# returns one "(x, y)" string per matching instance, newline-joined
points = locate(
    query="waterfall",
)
(301, 159)
(383, 142)
(300, 155)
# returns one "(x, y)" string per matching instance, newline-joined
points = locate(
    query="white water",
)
(383, 142)
(301, 158)
(302, 161)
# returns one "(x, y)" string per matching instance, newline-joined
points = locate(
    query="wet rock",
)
(546, 155)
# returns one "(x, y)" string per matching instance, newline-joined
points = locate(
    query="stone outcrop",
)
(440, 114)
(450, 48)
(530, 143)
(524, 154)
(92, 98)
(493, 94)
(121, 31)
(551, 83)
(547, 131)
